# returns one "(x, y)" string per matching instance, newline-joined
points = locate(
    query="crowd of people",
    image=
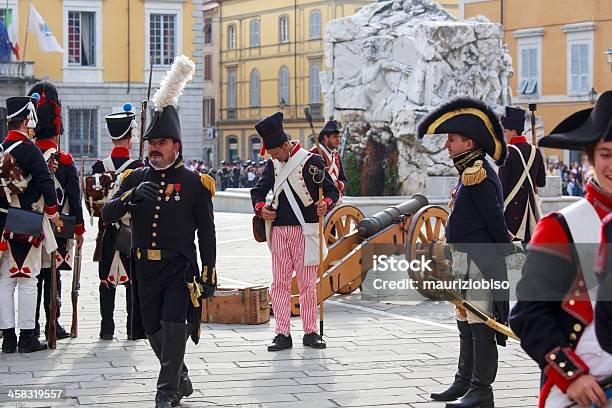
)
(231, 174)
(574, 177)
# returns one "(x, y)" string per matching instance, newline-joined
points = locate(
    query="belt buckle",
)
(154, 254)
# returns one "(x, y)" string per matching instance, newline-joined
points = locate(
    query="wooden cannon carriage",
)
(408, 228)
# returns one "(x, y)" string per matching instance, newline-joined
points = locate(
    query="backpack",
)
(12, 179)
(100, 187)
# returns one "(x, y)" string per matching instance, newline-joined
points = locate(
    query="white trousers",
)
(26, 293)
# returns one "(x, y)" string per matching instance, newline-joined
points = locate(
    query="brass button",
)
(163, 183)
(572, 302)
(156, 216)
(157, 207)
(581, 283)
(577, 327)
(161, 191)
(158, 198)
(163, 175)
(154, 234)
(573, 337)
(154, 225)
(153, 244)
(570, 373)
(553, 357)
(562, 364)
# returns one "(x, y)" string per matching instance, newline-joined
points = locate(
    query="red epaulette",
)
(550, 237)
(66, 159)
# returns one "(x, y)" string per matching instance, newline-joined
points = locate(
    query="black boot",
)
(314, 340)
(60, 332)
(280, 342)
(28, 343)
(9, 340)
(464, 368)
(185, 385)
(480, 394)
(174, 341)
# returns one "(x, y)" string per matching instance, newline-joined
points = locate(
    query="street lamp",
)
(609, 56)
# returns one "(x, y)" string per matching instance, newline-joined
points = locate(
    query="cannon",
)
(408, 228)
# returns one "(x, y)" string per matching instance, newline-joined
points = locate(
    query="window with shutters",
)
(208, 30)
(283, 86)
(208, 67)
(529, 70)
(231, 95)
(315, 24)
(231, 37)
(254, 88)
(254, 33)
(209, 112)
(579, 68)
(83, 132)
(284, 29)
(314, 85)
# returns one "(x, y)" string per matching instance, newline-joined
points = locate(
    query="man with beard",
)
(329, 140)
(168, 204)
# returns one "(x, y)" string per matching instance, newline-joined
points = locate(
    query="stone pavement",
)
(378, 354)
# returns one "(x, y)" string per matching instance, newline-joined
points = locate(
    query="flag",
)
(6, 48)
(46, 39)
(12, 32)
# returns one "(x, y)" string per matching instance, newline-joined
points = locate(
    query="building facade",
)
(109, 46)
(559, 57)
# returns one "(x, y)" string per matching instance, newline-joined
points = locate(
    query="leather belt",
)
(155, 254)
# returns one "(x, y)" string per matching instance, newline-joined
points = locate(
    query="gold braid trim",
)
(125, 174)
(208, 183)
(475, 174)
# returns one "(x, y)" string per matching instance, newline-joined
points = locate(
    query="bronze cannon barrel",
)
(381, 220)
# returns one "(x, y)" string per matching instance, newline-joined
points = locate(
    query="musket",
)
(532, 109)
(143, 115)
(345, 136)
(308, 115)
(76, 274)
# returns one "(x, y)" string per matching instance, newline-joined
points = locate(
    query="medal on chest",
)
(173, 188)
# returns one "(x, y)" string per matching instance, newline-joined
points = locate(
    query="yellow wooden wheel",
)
(426, 226)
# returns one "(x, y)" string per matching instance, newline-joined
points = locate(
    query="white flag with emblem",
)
(46, 39)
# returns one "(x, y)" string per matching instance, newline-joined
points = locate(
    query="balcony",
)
(15, 71)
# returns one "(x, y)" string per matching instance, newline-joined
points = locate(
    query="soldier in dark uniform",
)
(329, 140)
(480, 238)
(114, 266)
(66, 179)
(554, 314)
(521, 208)
(20, 260)
(292, 251)
(168, 204)
(603, 308)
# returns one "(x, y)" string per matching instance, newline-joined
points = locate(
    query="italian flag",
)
(12, 32)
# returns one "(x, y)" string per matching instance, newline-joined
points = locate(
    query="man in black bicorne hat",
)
(480, 238)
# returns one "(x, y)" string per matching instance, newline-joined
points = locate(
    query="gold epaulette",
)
(208, 183)
(475, 174)
(124, 174)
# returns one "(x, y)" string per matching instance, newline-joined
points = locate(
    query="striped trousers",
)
(287, 257)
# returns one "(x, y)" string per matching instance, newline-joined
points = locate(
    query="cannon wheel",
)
(426, 225)
(340, 222)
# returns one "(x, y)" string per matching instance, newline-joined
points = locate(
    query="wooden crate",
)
(238, 306)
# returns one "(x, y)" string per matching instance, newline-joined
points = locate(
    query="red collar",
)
(46, 144)
(16, 136)
(295, 149)
(120, 152)
(600, 200)
(518, 139)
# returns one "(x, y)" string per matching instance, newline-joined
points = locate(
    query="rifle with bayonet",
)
(76, 274)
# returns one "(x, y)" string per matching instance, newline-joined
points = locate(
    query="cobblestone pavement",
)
(378, 354)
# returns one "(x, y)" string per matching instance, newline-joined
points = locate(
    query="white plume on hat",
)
(173, 83)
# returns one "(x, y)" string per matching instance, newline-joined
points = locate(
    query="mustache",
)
(154, 152)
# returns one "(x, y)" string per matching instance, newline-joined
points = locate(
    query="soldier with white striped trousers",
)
(290, 218)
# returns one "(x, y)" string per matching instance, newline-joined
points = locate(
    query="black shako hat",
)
(272, 132)
(165, 122)
(583, 128)
(21, 108)
(514, 119)
(120, 124)
(332, 126)
(471, 118)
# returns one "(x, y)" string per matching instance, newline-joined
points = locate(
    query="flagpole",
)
(25, 43)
